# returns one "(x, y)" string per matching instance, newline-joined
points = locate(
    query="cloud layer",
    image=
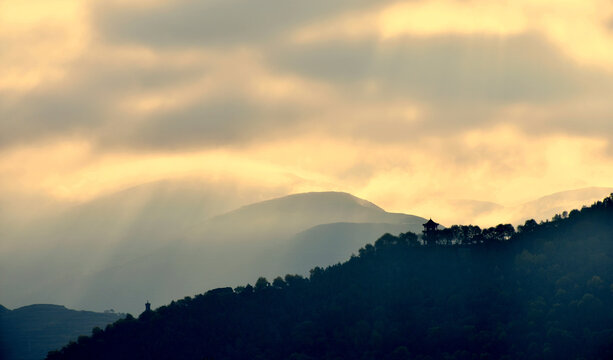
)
(493, 102)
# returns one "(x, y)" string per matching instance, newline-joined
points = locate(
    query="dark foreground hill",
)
(29, 332)
(544, 292)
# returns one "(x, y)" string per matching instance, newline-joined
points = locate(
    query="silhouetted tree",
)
(261, 284)
(278, 282)
(409, 238)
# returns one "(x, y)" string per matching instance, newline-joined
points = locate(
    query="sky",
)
(405, 104)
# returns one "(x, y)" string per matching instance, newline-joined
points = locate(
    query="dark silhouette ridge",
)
(544, 291)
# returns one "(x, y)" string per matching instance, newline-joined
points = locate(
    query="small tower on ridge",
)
(430, 232)
(147, 306)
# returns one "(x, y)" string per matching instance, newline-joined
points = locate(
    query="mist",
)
(160, 240)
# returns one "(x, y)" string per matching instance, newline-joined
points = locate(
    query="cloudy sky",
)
(395, 102)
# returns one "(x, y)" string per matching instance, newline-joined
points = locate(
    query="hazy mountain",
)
(153, 241)
(256, 239)
(161, 239)
(30, 332)
(486, 213)
(55, 254)
(294, 213)
(546, 207)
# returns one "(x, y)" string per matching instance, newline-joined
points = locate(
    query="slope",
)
(543, 294)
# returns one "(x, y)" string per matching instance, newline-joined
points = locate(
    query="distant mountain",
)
(547, 206)
(486, 213)
(154, 241)
(171, 237)
(291, 214)
(29, 332)
(57, 255)
(257, 239)
(542, 292)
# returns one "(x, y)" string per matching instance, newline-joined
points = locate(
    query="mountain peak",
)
(321, 198)
(293, 213)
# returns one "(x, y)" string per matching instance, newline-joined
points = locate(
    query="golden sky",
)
(407, 104)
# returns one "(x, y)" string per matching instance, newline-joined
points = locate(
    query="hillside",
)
(543, 292)
(29, 332)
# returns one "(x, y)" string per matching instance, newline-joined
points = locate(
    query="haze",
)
(464, 111)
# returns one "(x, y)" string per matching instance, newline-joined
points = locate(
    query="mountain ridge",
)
(287, 215)
(102, 245)
(539, 292)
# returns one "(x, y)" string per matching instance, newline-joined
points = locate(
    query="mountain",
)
(294, 213)
(30, 332)
(543, 208)
(166, 238)
(57, 253)
(547, 206)
(257, 239)
(543, 292)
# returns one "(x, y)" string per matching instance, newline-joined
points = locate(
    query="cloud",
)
(126, 98)
(174, 78)
(445, 68)
(88, 100)
(38, 40)
(577, 28)
(190, 74)
(207, 124)
(213, 22)
(461, 82)
(418, 18)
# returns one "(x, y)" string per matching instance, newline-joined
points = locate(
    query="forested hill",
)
(544, 292)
